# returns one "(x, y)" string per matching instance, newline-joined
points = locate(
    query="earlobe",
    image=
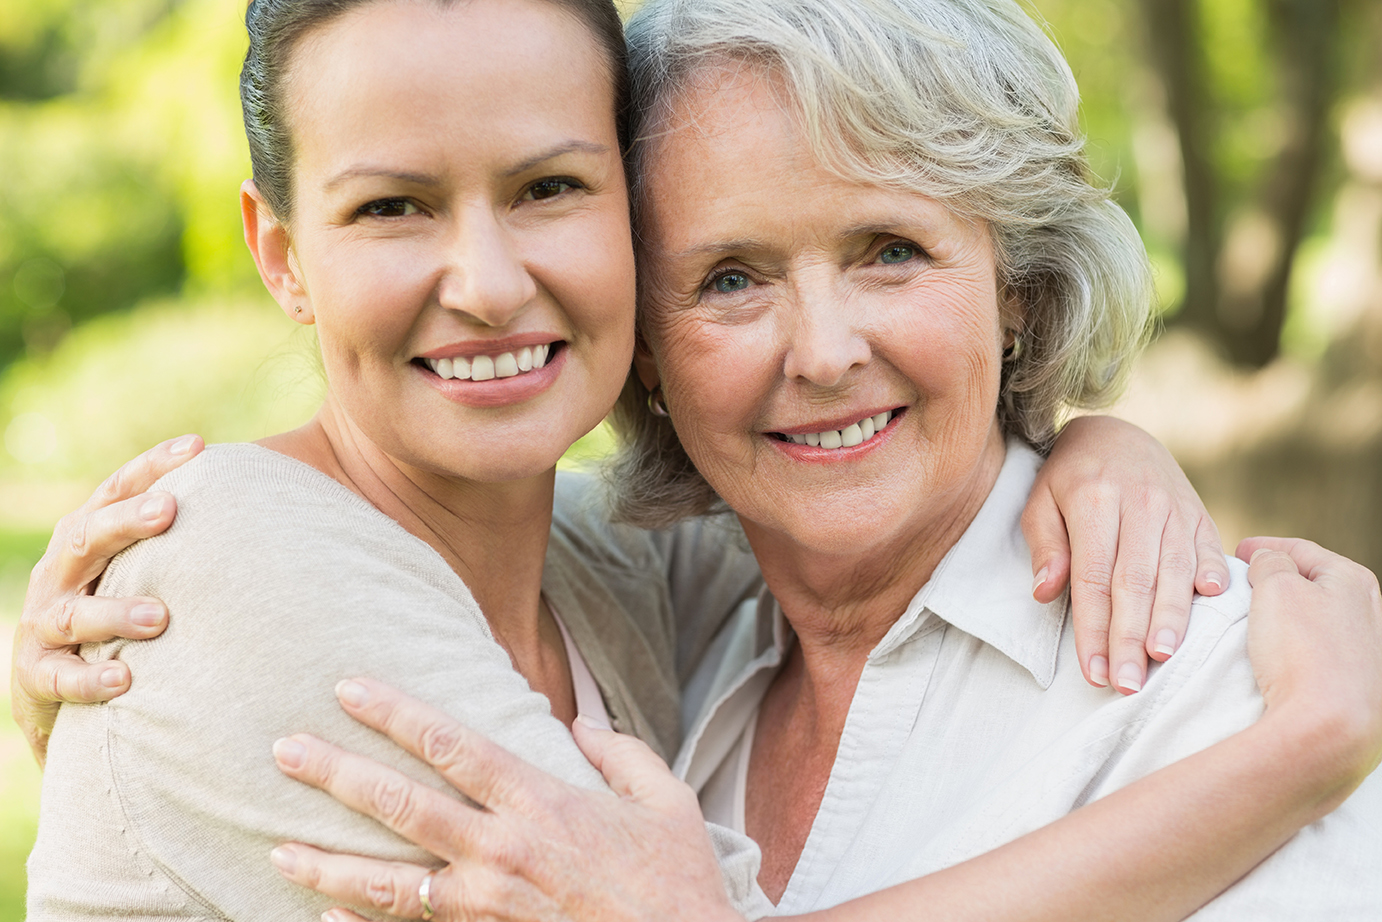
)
(271, 247)
(644, 365)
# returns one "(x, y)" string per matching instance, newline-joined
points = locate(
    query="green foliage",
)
(229, 370)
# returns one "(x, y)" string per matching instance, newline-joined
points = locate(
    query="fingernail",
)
(1098, 671)
(1166, 641)
(351, 693)
(289, 752)
(152, 509)
(113, 677)
(182, 446)
(284, 859)
(146, 615)
(592, 722)
(1040, 578)
(1215, 580)
(1130, 678)
(1257, 553)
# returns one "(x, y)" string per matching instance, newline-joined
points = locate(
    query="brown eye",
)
(549, 188)
(389, 208)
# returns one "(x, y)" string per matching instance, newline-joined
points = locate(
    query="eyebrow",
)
(552, 153)
(724, 248)
(429, 179)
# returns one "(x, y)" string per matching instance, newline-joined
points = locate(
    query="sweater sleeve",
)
(166, 802)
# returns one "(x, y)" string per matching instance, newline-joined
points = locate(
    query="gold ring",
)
(424, 895)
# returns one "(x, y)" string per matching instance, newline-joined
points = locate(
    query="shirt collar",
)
(983, 585)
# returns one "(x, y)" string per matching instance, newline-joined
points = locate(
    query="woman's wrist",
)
(1323, 749)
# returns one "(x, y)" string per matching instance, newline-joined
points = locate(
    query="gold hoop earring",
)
(657, 405)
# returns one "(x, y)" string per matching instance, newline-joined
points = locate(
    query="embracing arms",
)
(1111, 506)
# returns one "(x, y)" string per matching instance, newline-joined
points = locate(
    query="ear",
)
(1012, 312)
(644, 365)
(269, 243)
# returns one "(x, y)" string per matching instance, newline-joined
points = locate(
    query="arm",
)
(284, 582)
(1157, 849)
(60, 611)
(1112, 507)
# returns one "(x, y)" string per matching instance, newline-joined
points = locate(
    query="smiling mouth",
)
(851, 435)
(487, 367)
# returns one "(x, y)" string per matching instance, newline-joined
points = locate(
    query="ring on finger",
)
(424, 895)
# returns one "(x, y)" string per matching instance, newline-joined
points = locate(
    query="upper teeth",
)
(485, 367)
(847, 437)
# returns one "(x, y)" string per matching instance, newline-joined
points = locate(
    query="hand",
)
(535, 848)
(60, 612)
(1315, 638)
(1139, 544)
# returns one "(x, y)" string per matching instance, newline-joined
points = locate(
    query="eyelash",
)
(572, 185)
(365, 209)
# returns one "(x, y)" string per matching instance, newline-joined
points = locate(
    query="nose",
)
(485, 275)
(825, 336)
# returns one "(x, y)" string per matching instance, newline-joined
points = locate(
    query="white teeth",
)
(485, 367)
(848, 437)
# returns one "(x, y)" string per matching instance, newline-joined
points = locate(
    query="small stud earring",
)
(297, 309)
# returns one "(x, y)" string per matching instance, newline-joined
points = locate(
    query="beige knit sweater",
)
(166, 802)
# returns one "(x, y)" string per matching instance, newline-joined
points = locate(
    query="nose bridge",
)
(826, 337)
(485, 274)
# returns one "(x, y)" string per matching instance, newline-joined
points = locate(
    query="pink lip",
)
(816, 455)
(489, 346)
(497, 392)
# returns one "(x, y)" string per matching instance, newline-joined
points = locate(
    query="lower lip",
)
(497, 392)
(817, 455)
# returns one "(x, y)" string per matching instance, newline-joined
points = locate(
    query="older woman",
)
(875, 272)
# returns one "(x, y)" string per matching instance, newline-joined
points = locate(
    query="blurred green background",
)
(1244, 136)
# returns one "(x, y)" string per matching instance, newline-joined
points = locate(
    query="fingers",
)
(1093, 549)
(1211, 572)
(1177, 570)
(438, 823)
(632, 769)
(92, 619)
(67, 678)
(488, 774)
(84, 541)
(1307, 557)
(389, 886)
(1045, 530)
(116, 515)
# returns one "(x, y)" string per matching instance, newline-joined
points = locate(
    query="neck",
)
(841, 602)
(493, 535)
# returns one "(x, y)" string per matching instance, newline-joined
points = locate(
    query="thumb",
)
(1269, 563)
(1044, 528)
(631, 768)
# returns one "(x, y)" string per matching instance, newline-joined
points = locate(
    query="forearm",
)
(1155, 850)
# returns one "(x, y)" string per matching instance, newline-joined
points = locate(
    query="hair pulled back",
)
(276, 26)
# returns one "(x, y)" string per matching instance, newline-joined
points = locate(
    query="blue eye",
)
(730, 282)
(897, 253)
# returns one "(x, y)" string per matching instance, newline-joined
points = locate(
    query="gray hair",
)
(967, 101)
(276, 26)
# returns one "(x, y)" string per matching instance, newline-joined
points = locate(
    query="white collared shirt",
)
(972, 725)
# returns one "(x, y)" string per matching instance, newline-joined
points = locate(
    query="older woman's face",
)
(829, 350)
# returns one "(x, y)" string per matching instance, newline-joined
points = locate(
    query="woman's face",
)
(829, 350)
(460, 229)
